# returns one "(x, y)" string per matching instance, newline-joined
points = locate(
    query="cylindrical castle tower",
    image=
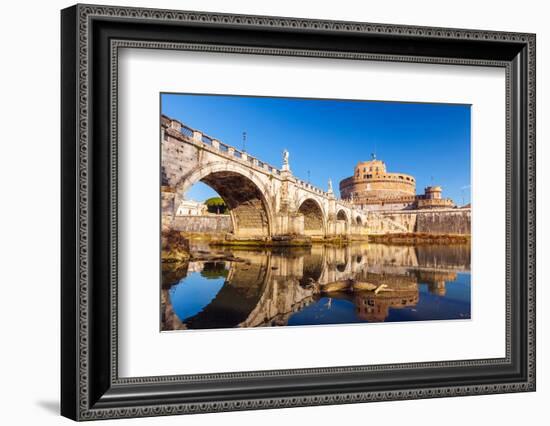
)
(371, 181)
(433, 192)
(432, 199)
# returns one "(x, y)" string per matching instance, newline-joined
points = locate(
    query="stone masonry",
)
(448, 221)
(205, 224)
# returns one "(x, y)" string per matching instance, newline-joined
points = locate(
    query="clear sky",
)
(327, 138)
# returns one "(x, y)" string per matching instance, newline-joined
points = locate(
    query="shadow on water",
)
(318, 285)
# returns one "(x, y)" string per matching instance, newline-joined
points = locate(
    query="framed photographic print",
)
(263, 212)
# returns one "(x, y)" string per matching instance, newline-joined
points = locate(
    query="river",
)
(356, 283)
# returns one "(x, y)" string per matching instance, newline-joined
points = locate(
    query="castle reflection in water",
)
(318, 285)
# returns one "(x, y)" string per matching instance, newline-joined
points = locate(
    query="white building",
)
(191, 208)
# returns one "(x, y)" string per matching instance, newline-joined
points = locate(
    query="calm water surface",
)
(318, 285)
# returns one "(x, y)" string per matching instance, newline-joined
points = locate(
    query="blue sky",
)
(327, 138)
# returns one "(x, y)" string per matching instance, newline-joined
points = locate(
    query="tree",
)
(216, 205)
(213, 270)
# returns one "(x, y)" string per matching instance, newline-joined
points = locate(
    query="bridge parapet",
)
(201, 139)
(347, 203)
(197, 137)
(308, 186)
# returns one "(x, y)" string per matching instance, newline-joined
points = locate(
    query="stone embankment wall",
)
(208, 224)
(448, 221)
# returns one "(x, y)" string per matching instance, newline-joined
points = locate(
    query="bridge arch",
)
(342, 222)
(243, 192)
(314, 218)
(341, 215)
(255, 277)
(359, 221)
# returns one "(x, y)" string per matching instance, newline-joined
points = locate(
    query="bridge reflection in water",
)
(317, 285)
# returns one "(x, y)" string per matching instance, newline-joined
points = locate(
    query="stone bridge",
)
(265, 202)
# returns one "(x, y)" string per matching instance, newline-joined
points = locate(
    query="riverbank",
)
(275, 241)
(176, 246)
(418, 238)
(227, 240)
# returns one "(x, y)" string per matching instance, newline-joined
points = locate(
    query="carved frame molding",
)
(91, 388)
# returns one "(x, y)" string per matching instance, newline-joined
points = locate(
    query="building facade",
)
(191, 208)
(373, 188)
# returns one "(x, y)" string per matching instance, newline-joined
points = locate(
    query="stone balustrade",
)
(197, 136)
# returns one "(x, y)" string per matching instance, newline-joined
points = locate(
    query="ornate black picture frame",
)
(91, 36)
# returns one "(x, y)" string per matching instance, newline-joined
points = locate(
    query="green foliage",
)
(214, 201)
(213, 270)
(216, 205)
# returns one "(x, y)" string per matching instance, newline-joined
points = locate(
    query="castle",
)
(372, 188)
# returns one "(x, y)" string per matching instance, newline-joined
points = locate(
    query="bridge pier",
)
(289, 224)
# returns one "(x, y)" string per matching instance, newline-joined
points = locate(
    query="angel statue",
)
(285, 157)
